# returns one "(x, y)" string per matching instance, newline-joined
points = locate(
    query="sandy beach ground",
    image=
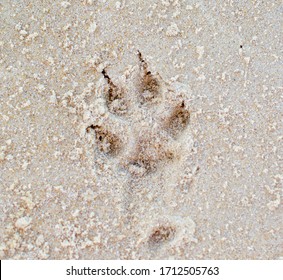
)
(141, 129)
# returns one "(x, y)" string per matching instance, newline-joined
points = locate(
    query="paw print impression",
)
(108, 142)
(138, 120)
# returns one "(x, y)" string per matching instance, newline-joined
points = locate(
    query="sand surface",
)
(141, 129)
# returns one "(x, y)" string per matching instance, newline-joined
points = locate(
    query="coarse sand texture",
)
(141, 129)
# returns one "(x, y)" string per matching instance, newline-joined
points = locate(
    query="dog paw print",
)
(138, 119)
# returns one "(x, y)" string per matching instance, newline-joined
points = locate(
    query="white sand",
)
(140, 129)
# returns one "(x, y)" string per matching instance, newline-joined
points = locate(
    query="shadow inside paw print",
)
(108, 142)
(115, 97)
(149, 84)
(178, 120)
(161, 234)
(146, 120)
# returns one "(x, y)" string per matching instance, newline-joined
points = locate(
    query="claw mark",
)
(108, 142)
(114, 96)
(149, 84)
